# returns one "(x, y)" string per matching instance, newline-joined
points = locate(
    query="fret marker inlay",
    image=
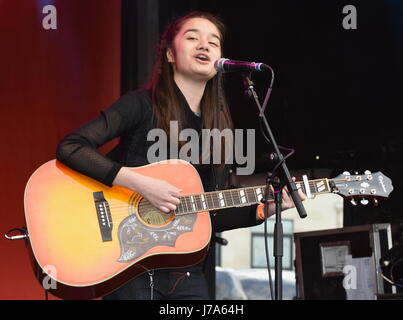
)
(243, 197)
(221, 198)
(259, 194)
(193, 203)
(320, 186)
(203, 202)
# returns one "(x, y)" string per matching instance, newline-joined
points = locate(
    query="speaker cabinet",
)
(342, 264)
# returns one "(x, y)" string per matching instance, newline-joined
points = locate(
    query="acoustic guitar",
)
(88, 239)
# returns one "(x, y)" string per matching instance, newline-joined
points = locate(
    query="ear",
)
(170, 55)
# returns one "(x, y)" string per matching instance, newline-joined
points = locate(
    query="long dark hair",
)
(166, 108)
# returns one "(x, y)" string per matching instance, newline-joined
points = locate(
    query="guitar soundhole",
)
(152, 216)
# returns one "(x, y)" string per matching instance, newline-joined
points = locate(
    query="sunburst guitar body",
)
(88, 239)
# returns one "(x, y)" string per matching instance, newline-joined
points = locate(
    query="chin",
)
(206, 76)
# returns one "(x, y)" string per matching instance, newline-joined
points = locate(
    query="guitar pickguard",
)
(136, 238)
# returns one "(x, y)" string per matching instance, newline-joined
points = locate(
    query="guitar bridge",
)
(104, 216)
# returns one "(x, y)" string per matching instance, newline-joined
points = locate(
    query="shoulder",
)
(134, 99)
(142, 94)
(132, 108)
(132, 104)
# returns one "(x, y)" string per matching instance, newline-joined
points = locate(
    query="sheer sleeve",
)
(78, 150)
(234, 218)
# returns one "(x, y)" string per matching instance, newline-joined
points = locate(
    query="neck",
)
(193, 91)
(230, 198)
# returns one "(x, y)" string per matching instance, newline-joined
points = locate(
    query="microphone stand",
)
(277, 184)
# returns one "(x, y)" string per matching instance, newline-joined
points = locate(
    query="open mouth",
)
(202, 57)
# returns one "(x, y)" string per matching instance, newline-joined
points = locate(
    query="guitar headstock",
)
(369, 185)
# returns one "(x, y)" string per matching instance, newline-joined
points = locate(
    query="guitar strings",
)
(185, 200)
(229, 193)
(186, 203)
(127, 209)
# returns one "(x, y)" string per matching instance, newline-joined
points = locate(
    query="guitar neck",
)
(240, 197)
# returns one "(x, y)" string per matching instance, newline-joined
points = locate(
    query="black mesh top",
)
(130, 119)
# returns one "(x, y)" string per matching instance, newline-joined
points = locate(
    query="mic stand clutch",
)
(277, 184)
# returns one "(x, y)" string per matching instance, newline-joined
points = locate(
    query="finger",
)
(170, 206)
(174, 201)
(287, 198)
(164, 209)
(301, 195)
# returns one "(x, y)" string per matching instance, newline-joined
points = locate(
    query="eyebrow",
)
(197, 31)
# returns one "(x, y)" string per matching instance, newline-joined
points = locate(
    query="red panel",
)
(51, 82)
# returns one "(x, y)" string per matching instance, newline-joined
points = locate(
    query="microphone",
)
(226, 65)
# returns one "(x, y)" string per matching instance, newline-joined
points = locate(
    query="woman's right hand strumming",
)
(162, 195)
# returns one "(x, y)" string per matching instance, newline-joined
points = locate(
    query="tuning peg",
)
(356, 173)
(346, 173)
(376, 202)
(353, 202)
(364, 202)
(367, 172)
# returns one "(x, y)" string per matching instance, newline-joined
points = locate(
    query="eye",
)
(214, 44)
(191, 38)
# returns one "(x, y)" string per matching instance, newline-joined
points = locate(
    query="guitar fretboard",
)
(242, 197)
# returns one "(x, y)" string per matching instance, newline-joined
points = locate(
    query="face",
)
(195, 49)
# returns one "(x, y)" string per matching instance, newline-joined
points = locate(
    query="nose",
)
(203, 44)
